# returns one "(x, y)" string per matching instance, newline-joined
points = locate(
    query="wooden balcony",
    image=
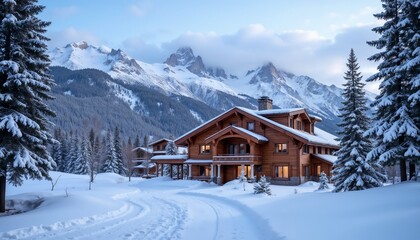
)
(237, 159)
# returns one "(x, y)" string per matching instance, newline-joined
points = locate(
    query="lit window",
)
(247, 171)
(251, 126)
(280, 147)
(281, 171)
(205, 149)
(318, 170)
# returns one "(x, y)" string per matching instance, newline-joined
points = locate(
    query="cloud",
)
(69, 35)
(300, 52)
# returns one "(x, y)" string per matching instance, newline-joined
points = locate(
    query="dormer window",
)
(299, 125)
(291, 123)
(251, 126)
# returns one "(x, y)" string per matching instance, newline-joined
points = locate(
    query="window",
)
(281, 171)
(280, 147)
(291, 123)
(303, 126)
(232, 124)
(318, 170)
(205, 149)
(247, 171)
(205, 171)
(305, 149)
(164, 147)
(319, 150)
(313, 149)
(157, 148)
(251, 126)
(299, 125)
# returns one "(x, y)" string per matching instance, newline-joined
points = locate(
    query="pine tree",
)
(262, 186)
(56, 153)
(24, 86)
(395, 132)
(171, 148)
(73, 154)
(351, 170)
(118, 152)
(110, 163)
(323, 182)
(83, 158)
(137, 142)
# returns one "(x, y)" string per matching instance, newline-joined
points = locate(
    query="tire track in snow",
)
(142, 216)
(234, 220)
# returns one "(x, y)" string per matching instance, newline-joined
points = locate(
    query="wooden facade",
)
(282, 144)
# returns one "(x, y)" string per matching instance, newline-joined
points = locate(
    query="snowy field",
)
(164, 209)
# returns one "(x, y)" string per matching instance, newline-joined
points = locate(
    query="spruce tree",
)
(262, 186)
(73, 154)
(56, 153)
(351, 170)
(25, 83)
(171, 148)
(83, 158)
(110, 163)
(395, 131)
(323, 182)
(118, 152)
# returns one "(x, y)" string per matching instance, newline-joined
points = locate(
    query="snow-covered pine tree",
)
(83, 158)
(395, 133)
(323, 181)
(171, 148)
(56, 153)
(262, 186)
(24, 85)
(351, 170)
(118, 152)
(73, 154)
(110, 163)
(410, 28)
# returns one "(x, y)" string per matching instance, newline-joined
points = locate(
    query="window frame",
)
(276, 149)
(203, 149)
(250, 124)
(276, 172)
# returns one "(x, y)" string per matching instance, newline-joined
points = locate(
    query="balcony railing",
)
(237, 158)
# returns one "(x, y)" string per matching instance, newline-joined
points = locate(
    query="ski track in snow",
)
(158, 215)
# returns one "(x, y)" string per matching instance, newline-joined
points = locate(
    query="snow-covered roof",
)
(159, 140)
(278, 111)
(198, 161)
(162, 151)
(255, 135)
(143, 166)
(169, 157)
(316, 117)
(149, 150)
(243, 130)
(320, 136)
(328, 158)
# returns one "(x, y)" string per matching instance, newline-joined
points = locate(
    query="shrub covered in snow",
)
(262, 186)
(323, 181)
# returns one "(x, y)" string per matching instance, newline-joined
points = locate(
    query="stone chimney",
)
(265, 103)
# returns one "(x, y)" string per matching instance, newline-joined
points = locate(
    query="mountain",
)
(185, 78)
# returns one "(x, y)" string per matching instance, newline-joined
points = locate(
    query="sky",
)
(303, 37)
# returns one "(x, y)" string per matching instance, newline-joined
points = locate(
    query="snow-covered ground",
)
(161, 208)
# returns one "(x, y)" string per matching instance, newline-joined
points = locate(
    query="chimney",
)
(265, 103)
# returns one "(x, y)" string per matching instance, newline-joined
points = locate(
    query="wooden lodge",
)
(282, 144)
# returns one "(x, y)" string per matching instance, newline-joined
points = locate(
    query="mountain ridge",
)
(185, 74)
